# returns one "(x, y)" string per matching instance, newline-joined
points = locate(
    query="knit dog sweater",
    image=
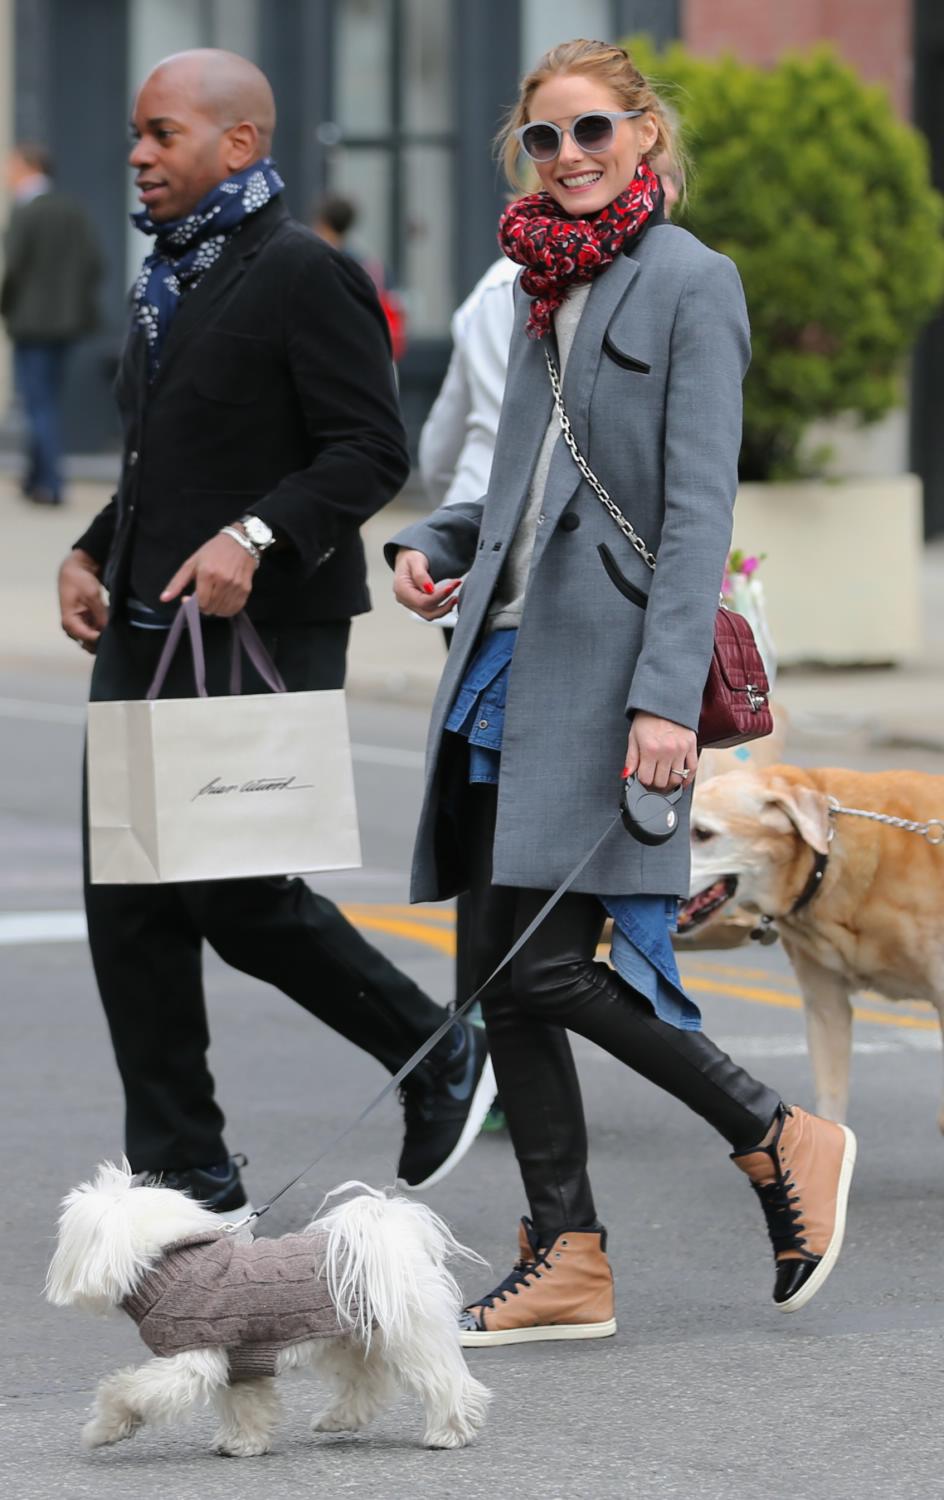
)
(253, 1299)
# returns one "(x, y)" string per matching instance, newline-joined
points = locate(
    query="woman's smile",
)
(580, 181)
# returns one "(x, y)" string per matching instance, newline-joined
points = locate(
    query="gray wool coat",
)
(653, 390)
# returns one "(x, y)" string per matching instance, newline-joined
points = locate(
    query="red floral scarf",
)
(559, 252)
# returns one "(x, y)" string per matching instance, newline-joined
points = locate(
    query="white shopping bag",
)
(220, 788)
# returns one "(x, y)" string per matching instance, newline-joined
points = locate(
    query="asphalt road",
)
(707, 1391)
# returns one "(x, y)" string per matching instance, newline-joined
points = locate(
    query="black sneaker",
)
(443, 1112)
(217, 1187)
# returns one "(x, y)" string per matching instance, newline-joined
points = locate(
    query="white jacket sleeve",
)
(458, 439)
(444, 431)
(487, 338)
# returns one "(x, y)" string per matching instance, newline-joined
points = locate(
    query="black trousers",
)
(553, 986)
(146, 941)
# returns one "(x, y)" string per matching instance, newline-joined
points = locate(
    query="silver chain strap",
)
(932, 830)
(626, 527)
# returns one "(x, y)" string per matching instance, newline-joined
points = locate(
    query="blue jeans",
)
(38, 369)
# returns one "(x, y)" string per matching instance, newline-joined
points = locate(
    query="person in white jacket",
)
(459, 434)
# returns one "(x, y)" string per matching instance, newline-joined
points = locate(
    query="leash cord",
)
(423, 1051)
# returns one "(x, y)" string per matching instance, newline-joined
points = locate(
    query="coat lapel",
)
(606, 294)
(605, 297)
(526, 410)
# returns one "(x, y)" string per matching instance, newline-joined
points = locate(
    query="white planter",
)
(842, 573)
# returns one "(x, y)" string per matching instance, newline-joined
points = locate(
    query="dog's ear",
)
(806, 809)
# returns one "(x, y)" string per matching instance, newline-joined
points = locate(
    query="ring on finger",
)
(685, 773)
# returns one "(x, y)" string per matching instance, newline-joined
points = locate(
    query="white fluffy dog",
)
(377, 1275)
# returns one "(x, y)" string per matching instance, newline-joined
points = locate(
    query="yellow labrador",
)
(858, 904)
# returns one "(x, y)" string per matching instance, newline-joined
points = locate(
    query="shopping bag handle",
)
(244, 638)
(188, 614)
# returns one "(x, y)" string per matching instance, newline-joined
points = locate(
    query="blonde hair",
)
(614, 67)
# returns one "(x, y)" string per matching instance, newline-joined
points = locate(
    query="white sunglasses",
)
(592, 132)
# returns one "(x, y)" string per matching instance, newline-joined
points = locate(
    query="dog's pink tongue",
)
(708, 897)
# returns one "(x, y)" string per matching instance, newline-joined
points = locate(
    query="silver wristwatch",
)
(261, 535)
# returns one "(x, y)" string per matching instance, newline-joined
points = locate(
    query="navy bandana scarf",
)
(186, 248)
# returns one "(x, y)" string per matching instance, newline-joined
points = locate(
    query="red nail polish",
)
(624, 774)
(429, 588)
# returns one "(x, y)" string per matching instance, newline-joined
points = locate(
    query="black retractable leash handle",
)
(649, 816)
(437, 1036)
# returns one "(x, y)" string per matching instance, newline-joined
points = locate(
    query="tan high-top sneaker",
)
(563, 1291)
(802, 1180)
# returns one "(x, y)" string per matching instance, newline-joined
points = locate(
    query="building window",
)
(547, 23)
(391, 146)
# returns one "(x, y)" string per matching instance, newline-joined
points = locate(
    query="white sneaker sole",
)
(474, 1339)
(809, 1288)
(482, 1101)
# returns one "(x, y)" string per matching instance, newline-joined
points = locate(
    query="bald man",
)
(261, 429)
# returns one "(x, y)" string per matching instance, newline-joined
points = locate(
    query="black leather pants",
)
(554, 986)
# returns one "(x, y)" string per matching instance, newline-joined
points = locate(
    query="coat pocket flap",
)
(624, 357)
(616, 575)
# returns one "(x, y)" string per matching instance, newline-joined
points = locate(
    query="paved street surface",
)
(707, 1391)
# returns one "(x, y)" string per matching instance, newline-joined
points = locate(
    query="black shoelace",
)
(516, 1279)
(778, 1200)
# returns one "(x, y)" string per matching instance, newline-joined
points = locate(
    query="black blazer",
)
(275, 395)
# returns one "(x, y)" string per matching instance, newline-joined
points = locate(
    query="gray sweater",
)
(213, 1291)
(508, 602)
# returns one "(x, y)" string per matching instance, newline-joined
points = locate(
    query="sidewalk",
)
(397, 658)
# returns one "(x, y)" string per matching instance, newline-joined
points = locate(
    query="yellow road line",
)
(794, 1002)
(417, 932)
(689, 963)
(445, 915)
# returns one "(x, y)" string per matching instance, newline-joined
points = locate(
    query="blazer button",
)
(132, 458)
(569, 520)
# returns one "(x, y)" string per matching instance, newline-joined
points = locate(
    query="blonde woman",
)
(573, 662)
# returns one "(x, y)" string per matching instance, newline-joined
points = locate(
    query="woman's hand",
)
(658, 750)
(414, 589)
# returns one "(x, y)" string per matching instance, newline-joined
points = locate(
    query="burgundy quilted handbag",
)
(734, 705)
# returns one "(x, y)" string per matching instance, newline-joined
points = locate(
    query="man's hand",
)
(222, 572)
(658, 750)
(414, 589)
(82, 607)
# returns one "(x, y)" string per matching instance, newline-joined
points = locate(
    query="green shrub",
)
(804, 175)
